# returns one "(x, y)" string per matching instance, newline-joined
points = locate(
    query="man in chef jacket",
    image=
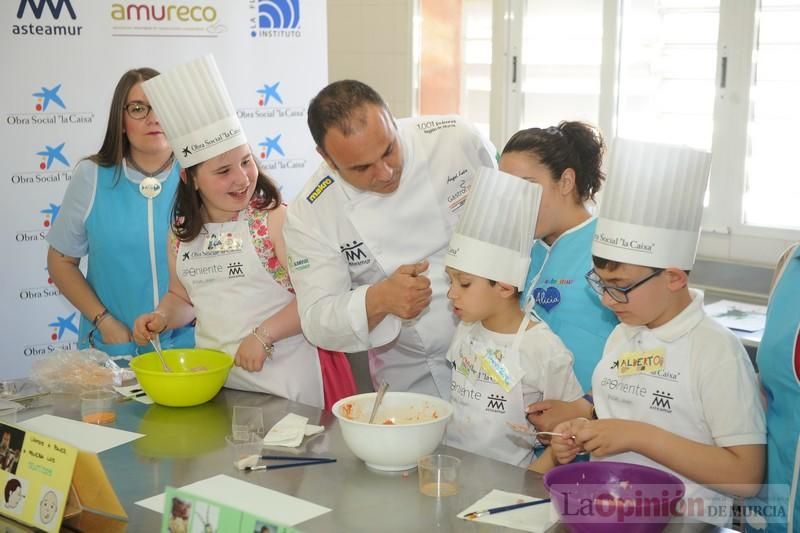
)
(367, 234)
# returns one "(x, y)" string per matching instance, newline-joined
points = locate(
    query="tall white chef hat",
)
(494, 236)
(652, 205)
(194, 109)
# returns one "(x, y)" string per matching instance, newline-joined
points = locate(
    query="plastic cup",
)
(241, 449)
(97, 407)
(247, 421)
(438, 475)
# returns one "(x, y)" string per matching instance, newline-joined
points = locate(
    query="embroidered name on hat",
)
(326, 182)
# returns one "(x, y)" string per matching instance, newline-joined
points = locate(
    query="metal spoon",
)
(378, 399)
(157, 345)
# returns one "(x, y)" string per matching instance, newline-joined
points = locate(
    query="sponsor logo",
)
(661, 402)
(165, 20)
(618, 385)
(354, 254)
(205, 271)
(50, 109)
(617, 241)
(205, 144)
(275, 18)
(457, 198)
(50, 9)
(50, 214)
(270, 105)
(297, 264)
(268, 92)
(61, 325)
(430, 126)
(271, 144)
(235, 270)
(496, 403)
(273, 155)
(52, 154)
(37, 293)
(324, 183)
(464, 392)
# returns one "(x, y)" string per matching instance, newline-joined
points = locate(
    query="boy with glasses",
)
(674, 389)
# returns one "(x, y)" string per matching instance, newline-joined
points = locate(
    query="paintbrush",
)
(494, 510)
(290, 465)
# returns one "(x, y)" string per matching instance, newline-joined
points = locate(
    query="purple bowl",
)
(611, 497)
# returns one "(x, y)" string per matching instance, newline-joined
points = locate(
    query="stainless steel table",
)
(184, 445)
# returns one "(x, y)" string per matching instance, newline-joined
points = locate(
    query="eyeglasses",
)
(618, 294)
(138, 110)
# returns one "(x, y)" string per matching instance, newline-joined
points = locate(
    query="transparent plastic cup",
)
(247, 421)
(242, 449)
(97, 406)
(438, 475)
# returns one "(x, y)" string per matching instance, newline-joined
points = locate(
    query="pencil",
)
(494, 510)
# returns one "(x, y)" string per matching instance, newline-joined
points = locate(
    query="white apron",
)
(482, 409)
(663, 397)
(232, 293)
(391, 244)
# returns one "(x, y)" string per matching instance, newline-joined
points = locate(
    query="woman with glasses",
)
(565, 160)
(116, 211)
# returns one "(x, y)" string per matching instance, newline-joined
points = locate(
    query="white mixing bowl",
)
(407, 426)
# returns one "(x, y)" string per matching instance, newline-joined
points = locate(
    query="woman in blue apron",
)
(566, 161)
(116, 211)
(777, 509)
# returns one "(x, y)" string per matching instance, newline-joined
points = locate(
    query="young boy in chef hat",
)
(227, 257)
(502, 361)
(674, 389)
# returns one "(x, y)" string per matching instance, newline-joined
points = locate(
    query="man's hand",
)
(405, 294)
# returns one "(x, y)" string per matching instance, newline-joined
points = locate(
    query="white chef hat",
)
(195, 111)
(494, 235)
(652, 205)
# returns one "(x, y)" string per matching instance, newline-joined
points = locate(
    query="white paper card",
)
(247, 497)
(537, 519)
(738, 315)
(88, 437)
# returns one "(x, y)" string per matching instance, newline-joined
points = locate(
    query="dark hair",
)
(12, 485)
(186, 213)
(574, 145)
(116, 145)
(611, 266)
(337, 105)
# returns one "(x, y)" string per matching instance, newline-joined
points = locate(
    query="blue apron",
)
(778, 505)
(119, 260)
(564, 300)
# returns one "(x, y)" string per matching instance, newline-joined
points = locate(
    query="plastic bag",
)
(77, 371)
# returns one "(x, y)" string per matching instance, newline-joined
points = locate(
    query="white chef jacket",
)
(341, 240)
(706, 391)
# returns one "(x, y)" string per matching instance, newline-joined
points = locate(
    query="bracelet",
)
(268, 347)
(102, 315)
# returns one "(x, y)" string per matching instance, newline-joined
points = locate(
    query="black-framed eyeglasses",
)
(618, 294)
(138, 110)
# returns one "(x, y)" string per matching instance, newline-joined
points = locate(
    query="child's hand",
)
(547, 414)
(565, 447)
(251, 355)
(610, 436)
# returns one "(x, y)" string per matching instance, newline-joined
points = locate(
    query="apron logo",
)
(235, 270)
(547, 298)
(324, 183)
(661, 402)
(354, 254)
(497, 404)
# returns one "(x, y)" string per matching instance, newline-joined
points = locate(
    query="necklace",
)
(146, 174)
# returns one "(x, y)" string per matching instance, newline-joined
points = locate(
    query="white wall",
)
(372, 41)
